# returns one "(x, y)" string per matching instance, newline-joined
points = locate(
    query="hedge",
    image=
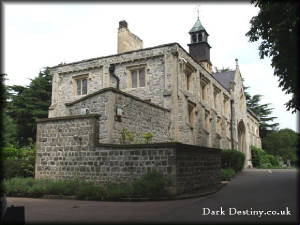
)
(232, 159)
(260, 159)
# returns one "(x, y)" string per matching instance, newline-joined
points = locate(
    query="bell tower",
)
(199, 48)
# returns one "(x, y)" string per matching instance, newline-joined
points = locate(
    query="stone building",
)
(164, 90)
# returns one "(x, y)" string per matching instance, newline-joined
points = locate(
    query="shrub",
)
(62, 187)
(151, 184)
(273, 160)
(117, 191)
(18, 162)
(147, 137)
(12, 168)
(232, 159)
(227, 174)
(260, 159)
(90, 191)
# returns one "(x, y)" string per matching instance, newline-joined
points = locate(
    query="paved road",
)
(251, 190)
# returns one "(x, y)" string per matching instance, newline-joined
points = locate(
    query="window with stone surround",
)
(225, 104)
(219, 128)
(216, 97)
(80, 84)
(207, 121)
(191, 112)
(137, 78)
(228, 129)
(188, 79)
(204, 86)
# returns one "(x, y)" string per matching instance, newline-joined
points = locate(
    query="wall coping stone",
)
(67, 118)
(116, 91)
(177, 145)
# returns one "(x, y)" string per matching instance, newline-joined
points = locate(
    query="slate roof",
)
(224, 78)
(197, 26)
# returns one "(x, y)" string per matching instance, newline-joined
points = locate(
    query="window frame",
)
(137, 69)
(81, 79)
(191, 113)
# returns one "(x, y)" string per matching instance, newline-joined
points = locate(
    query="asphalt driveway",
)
(252, 196)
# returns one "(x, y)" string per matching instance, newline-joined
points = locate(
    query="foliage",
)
(223, 69)
(150, 185)
(260, 159)
(277, 27)
(127, 137)
(116, 191)
(25, 104)
(147, 137)
(227, 174)
(9, 131)
(263, 111)
(232, 159)
(283, 143)
(90, 191)
(18, 162)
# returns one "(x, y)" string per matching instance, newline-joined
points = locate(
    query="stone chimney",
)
(127, 41)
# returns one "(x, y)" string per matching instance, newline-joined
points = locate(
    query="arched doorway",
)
(242, 137)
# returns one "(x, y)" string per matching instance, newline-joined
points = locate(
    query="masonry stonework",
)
(64, 155)
(162, 90)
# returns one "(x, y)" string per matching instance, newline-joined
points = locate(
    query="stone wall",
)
(197, 168)
(63, 142)
(63, 155)
(138, 117)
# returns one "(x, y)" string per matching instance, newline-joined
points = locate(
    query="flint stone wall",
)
(138, 117)
(61, 155)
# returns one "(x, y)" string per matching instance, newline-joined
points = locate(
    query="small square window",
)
(81, 86)
(138, 78)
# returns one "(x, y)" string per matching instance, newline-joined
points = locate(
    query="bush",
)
(90, 191)
(273, 160)
(12, 168)
(227, 174)
(115, 191)
(260, 159)
(150, 185)
(18, 162)
(232, 159)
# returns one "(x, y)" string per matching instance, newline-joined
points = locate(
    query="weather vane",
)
(198, 10)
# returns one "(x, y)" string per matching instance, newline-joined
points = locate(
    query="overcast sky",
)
(40, 35)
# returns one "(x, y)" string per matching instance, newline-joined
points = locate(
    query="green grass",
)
(150, 185)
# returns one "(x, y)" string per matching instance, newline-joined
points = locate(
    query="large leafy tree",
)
(284, 143)
(263, 111)
(277, 26)
(25, 104)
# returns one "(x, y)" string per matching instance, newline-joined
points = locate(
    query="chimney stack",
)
(127, 41)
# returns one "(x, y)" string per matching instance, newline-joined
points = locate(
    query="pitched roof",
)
(224, 78)
(197, 26)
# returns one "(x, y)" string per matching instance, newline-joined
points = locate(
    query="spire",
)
(197, 26)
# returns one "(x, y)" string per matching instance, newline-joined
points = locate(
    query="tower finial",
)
(198, 11)
(236, 63)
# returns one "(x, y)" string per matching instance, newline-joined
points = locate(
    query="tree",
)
(223, 69)
(26, 104)
(277, 25)
(283, 143)
(263, 111)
